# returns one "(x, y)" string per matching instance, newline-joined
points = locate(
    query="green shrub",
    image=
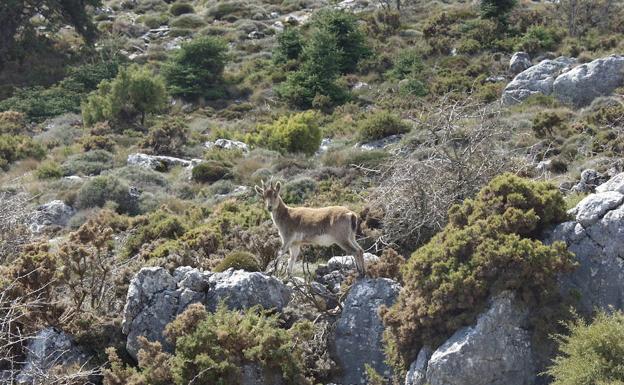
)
(490, 244)
(468, 47)
(238, 260)
(408, 64)
(157, 225)
(88, 163)
(299, 190)
(210, 348)
(134, 93)
(12, 123)
(210, 171)
(497, 9)
(379, 125)
(49, 170)
(155, 20)
(289, 46)
(167, 138)
(550, 124)
(196, 70)
(178, 9)
(39, 104)
(97, 142)
(230, 10)
(89, 75)
(591, 353)
(297, 133)
(349, 38)
(17, 147)
(187, 21)
(96, 192)
(539, 38)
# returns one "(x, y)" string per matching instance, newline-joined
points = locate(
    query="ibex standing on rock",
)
(299, 226)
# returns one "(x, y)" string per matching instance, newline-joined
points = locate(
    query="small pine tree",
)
(497, 9)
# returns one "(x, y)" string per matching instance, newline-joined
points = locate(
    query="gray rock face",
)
(538, 79)
(519, 62)
(358, 335)
(47, 349)
(156, 297)
(347, 262)
(158, 162)
(596, 237)
(54, 213)
(495, 351)
(417, 373)
(581, 85)
(227, 144)
(589, 180)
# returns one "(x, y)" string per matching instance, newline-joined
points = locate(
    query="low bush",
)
(214, 348)
(96, 192)
(297, 191)
(18, 147)
(228, 10)
(167, 138)
(550, 124)
(591, 353)
(49, 170)
(289, 46)
(210, 171)
(12, 123)
(155, 20)
(187, 21)
(88, 163)
(180, 8)
(538, 39)
(379, 125)
(408, 64)
(97, 142)
(157, 225)
(297, 133)
(39, 104)
(196, 70)
(238, 260)
(490, 244)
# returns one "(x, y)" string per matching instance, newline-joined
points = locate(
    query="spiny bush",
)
(539, 38)
(379, 125)
(188, 21)
(497, 9)
(160, 224)
(49, 170)
(213, 349)
(18, 147)
(39, 104)
(167, 138)
(97, 142)
(408, 64)
(12, 123)
(490, 244)
(135, 92)
(591, 353)
(238, 260)
(297, 133)
(289, 45)
(298, 190)
(550, 124)
(98, 191)
(196, 70)
(210, 171)
(88, 163)
(178, 9)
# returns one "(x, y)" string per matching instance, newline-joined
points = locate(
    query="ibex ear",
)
(259, 190)
(278, 186)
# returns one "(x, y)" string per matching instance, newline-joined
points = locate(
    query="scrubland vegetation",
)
(392, 112)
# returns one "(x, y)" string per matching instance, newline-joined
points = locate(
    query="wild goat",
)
(299, 226)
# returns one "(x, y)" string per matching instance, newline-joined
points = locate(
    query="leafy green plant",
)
(88, 163)
(157, 225)
(289, 46)
(379, 125)
(196, 70)
(179, 8)
(18, 147)
(210, 171)
(49, 170)
(298, 133)
(497, 9)
(238, 260)
(591, 353)
(39, 103)
(12, 123)
(187, 21)
(135, 92)
(298, 190)
(489, 245)
(96, 192)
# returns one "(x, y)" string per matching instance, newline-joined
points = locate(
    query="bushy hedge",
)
(238, 260)
(196, 70)
(298, 133)
(379, 125)
(592, 353)
(489, 245)
(213, 348)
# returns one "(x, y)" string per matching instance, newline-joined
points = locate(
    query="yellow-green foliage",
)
(298, 133)
(212, 348)
(12, 122)
(591, 353)
(489, 245)
(136, 91)
(210, 171)
(238, 260)
(379, 125)
(17, 147)
(49, 170)
(158, 225)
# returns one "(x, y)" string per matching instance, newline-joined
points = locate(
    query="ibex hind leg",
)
(358, 254)
(294, 253)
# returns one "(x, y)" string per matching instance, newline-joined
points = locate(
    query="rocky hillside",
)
(479, 143)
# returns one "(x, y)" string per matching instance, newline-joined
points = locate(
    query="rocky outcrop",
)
(581, 85)
(359, 330)
(347, 262)
(227, 144)
(520, 61)
(159, 162)
(47, 349)
(54, 213)
(590, 179)
(156, 297)
(596, 237)
(494, 351)
(538, 79)
(417, 373)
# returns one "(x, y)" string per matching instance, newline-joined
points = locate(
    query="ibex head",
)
(270, 194)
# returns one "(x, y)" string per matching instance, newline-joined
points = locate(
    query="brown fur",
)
(299, 226)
